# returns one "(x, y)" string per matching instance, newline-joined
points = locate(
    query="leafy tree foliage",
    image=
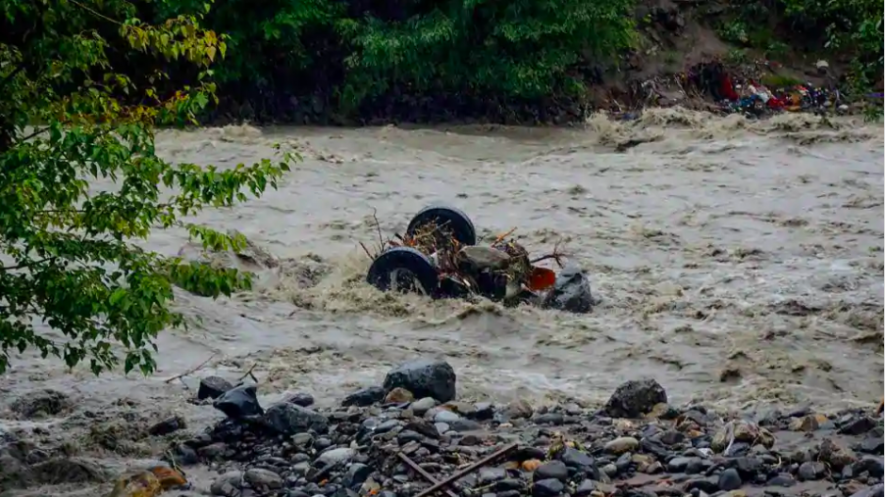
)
(69, 116)
(356, 49)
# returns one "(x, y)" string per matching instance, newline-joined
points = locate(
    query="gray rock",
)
(301, 468)
(635, 398)
(748, 466)
(228, 484)
(365, 397)
(671, 437)
(553, 469)
(212, 387)
(423, 427)
(444, 416)
(464, 425)
(239, 402)
(585, 488)
(872, 464)
(509, 484)
(610, 469)
(574, 458)
(679, 464)
(547, 488)
(550, 418)
(302, 399)
(386, 426)
(424, 378)
(488, 476)
(812, 470)
(708, 484)
(167, 426)
(857, 425)
(519, 408)
(782, 480)
(730, 480)
(263, 478)
(421, 406)
(212, 451)
(621, 445)
(357, 473)
(302, 439)
(871, 445)
(290, 419)
(336, 456)
(570, 292)
(407, 436)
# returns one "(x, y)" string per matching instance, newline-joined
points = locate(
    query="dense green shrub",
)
(522, 48)
(351, 50)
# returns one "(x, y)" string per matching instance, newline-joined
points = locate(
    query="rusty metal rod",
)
(470, 469)
(418, 469)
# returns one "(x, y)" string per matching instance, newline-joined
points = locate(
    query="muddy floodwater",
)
(735, 262)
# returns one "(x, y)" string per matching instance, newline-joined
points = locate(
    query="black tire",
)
(452, 217)
(415, 266)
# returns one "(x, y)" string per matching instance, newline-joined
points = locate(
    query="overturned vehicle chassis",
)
(438, 256)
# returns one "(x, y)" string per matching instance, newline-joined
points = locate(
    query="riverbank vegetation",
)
(337, 61)
(365, 61)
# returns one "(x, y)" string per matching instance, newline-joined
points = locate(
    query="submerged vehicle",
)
(438, 256)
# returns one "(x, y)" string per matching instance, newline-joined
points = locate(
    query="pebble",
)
(812, 470)
(336, 456)
(421, 406)
(729, 480)
(263, 478)
(444, 416)
(551, 470)
(547, 488)
(621, 445)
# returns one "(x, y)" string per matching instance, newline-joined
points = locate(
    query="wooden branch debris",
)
(191, 370)
(418, 469)
(470, 469)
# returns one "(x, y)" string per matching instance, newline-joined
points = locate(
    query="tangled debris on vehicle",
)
(438, 256)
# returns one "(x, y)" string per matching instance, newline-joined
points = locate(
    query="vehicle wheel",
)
(404, 269)
(452, 217)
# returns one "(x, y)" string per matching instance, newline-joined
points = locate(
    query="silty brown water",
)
(736, 262)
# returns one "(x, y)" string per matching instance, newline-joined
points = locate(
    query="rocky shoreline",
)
(393, 440)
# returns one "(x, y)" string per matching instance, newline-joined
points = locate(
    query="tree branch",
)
(26, 265)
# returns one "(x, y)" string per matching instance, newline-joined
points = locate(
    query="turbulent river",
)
(736, 261)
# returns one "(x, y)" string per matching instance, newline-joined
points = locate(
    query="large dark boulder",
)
(424, 378)
(289, 419)
(635, 398)
(212, 387)
(239, 402)
(570, 292)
